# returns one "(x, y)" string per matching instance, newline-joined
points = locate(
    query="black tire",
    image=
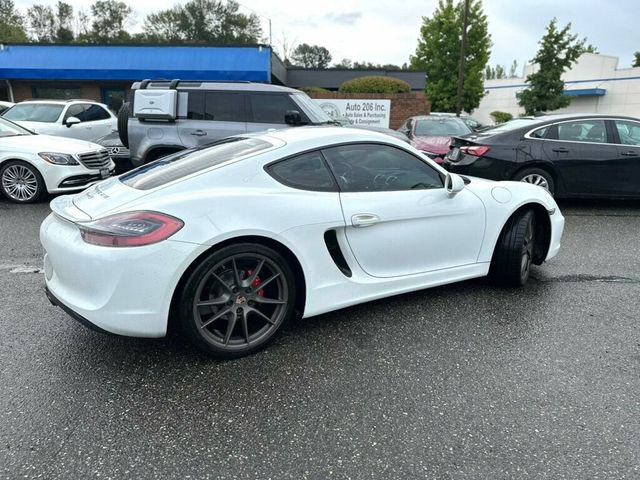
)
(513, 255)
(21, 182)
(123, 124)
(229, 319)
(537, 176)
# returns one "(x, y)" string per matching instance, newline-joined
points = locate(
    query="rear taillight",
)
(475, 150)
(132, 229)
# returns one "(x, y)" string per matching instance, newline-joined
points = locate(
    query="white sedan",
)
(31, 164)
(231, 240)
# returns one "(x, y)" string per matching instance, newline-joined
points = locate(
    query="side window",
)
(629, 132)
(93, 113)
(379, 168)
(307, 172)
(592, 131)
(540, 133)
(270, 108)
(195, 105)
(74, 111)
(223, 107)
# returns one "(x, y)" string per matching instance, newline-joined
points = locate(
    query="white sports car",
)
(230, 240)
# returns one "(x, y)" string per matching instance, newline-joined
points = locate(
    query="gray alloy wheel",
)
(21, 182)
(237, 299)
(537, 176)
(536, 179)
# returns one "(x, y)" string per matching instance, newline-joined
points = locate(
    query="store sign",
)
(373, 113)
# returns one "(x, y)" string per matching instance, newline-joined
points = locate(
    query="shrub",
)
(375, 84)
(500, 117)
(310, 90)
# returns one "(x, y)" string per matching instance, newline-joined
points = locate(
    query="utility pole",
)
(465, 23)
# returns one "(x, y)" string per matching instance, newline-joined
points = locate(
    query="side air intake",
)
(331, 241)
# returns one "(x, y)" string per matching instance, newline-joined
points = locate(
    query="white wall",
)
(622, 95)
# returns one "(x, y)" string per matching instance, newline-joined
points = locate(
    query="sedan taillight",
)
(475, 150)
(132, 229)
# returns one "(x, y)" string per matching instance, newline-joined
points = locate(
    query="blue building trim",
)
(126, 62)
(585, 92)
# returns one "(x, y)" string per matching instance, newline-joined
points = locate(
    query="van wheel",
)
(123, 124)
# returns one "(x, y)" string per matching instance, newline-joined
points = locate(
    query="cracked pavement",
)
(463, 381)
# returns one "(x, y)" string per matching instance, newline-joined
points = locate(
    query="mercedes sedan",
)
(229, 241)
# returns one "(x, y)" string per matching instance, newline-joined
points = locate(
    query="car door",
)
(211, 116)
(79, 130)
(267, 110)
(400, 220)
(582, 153)
(625, 176)
(99, 119)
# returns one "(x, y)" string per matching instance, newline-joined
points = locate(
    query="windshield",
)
(441, 127)
(186, 162)
(311, 108)
(34, 112)
(8, 129)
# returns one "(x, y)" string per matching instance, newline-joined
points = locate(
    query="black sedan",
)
(569, 155)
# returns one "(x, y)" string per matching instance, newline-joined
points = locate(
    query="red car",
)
(432, 134)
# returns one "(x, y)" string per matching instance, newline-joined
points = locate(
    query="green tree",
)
(344, 63)
(500, 72)
(311, 56)
(109, 19)
(203, 21)
(64, 23)
(489, 73)
(512, 69)
(559, 49)
(41, 23)
(438, 53)
(636, 59)
(11, 23)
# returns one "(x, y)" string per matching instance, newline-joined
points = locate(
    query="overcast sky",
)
(386, 31)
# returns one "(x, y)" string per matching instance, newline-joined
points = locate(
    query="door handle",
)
(199, 133)
(362, 220)
(560, 149)
(630, 153)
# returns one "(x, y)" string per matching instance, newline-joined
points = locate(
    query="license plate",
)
(104, 172)
(454, 154)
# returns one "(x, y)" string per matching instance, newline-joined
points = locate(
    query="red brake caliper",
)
(256, 283)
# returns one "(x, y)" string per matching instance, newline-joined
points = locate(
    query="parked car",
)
(191, 114)
(471, 122)
(216, 235)
(432, 134)
(82, 119)
(568, 155)
(118, 152)
(5, 105)
(31, 164)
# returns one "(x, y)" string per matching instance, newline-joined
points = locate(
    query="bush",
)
(373, 84)
(500, 117)
(310, 90)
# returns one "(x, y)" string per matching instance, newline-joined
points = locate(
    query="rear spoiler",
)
(64, 207)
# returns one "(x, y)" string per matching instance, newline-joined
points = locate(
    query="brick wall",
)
(403, 105)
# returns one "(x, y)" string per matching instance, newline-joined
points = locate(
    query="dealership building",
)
(106, 72)
(595, 83)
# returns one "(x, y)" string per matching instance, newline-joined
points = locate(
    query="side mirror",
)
(453, 183)
(292, 117)
(71, 121)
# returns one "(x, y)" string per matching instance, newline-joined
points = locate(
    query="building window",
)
(56, 93)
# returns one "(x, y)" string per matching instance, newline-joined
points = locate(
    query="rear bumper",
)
(73, 314)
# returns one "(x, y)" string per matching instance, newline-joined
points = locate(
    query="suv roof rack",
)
(173, 84)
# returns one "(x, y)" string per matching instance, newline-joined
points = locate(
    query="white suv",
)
(82, 119)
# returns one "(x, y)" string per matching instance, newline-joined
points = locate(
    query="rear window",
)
(182, 164)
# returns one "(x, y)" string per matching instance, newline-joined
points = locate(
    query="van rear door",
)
(212, 115)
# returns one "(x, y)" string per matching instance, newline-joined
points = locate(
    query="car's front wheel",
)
(237, 299)
(21, 182)
(538, 177)
(513, 255)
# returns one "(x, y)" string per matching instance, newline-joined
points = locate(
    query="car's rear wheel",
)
(537, 176)
(238, 298)
(123, 124)
(513, 255)
(21, 182)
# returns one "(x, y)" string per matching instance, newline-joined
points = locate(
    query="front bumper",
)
(69, 178)
(126, 291)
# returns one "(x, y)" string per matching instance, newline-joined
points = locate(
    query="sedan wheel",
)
(21, 182)
(237, 299)
(537, 176)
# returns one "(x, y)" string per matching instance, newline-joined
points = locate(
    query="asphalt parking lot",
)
(463, 381)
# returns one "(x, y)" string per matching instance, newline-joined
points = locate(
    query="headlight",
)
(58, 158)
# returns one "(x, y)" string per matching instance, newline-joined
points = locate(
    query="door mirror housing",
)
(292, 117)
(453, 183)
(71, 121)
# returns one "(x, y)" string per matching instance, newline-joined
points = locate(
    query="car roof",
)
(59, 102)
(323, 134)
(238, 86)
